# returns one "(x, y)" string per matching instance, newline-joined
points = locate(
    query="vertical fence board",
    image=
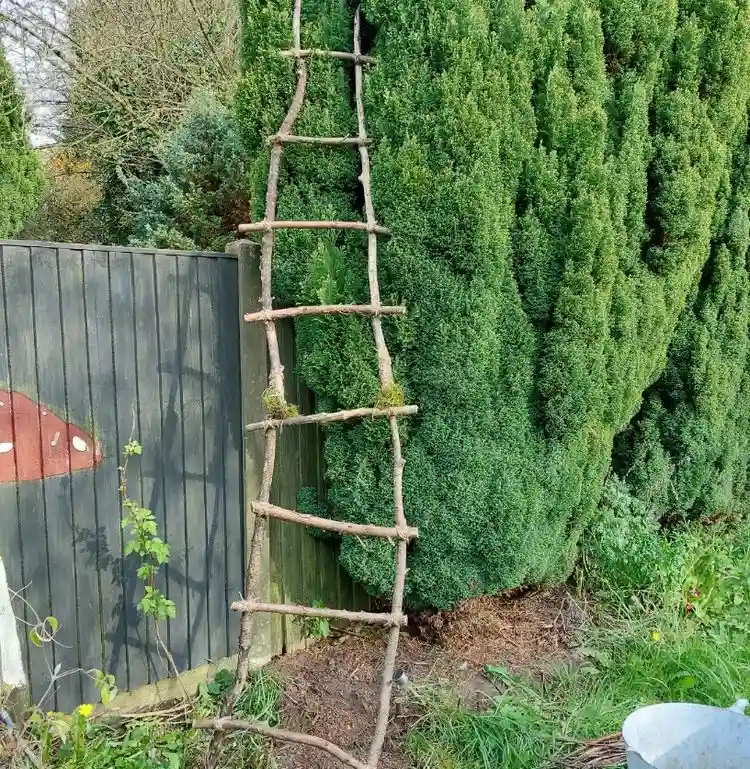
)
(240, 358)
(57, 502)
(171, 322)
(11, 541)
(149, 419)
(22, 333)
(284, 494)
(307, 473)
(123, 311)
(82, 490)
(107, 507)
(213, 461)
(194, 436)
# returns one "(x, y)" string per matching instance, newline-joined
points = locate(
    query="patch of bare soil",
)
(331, 690)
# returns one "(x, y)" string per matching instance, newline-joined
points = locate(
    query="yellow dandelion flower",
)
(655, 636)
(85, 710)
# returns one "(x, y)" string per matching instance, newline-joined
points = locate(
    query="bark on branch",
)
(340, 527)
(343, 55)
(367, 617)
(326, 141)
(276, 383)
(267, 225)
(386, 380)
(333, 416)
(224, 724)
(324, 309)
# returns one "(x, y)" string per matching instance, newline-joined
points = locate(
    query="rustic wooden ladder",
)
(261, 509)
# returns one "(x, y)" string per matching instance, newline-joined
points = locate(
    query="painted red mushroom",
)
(35, 443)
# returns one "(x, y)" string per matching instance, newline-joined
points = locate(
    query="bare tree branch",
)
(114, 71)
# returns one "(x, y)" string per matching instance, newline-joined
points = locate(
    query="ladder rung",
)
(325, 309)
(326, 141)
(370, 618)
(335, 416)
(342, 527)
(266, 226)
(357, 58)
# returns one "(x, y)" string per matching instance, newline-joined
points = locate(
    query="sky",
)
(33, 65)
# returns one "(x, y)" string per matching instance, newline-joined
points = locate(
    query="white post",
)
(11, 662)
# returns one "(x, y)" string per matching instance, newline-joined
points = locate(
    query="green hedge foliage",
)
(565, 183)
(20, 174)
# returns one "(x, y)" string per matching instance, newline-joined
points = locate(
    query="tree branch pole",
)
(385, 370)
(276, 376)
(322, 141)
(276, 382)
(292, 610)
(221, 725)
(342, 55)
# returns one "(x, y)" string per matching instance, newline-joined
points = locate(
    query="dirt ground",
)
(331, 690)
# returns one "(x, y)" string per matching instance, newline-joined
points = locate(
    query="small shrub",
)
(70, 197)
(623, 549)
(707, 578)
(199, 191)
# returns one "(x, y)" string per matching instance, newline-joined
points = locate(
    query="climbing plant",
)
(564, 181)
(141, 532)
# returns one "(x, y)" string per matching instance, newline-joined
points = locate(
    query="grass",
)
(681, 637)
(75, 742)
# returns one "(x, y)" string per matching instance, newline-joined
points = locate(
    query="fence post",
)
(254, 381)
(12, 676)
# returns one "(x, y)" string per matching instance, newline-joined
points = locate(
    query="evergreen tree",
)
(20, 176)
(556, 176)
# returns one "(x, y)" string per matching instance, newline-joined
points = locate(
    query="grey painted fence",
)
(117, 343)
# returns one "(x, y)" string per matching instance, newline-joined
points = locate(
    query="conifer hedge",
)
(20, 175)
(567, 185)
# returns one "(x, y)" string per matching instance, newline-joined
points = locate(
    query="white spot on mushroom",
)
(6, 447)
(54, 441)
(2, 403)
(79, 444)
(44, 413)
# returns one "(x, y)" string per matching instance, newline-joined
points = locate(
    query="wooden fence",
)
(98, 345)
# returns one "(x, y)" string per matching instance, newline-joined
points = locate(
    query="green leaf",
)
(35, 638)
(146, 571)
(497, 671)
(130, 547)
(601, 657)
(133, 448)
(686, 682)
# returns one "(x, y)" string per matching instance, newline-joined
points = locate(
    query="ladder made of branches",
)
(271, 426)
